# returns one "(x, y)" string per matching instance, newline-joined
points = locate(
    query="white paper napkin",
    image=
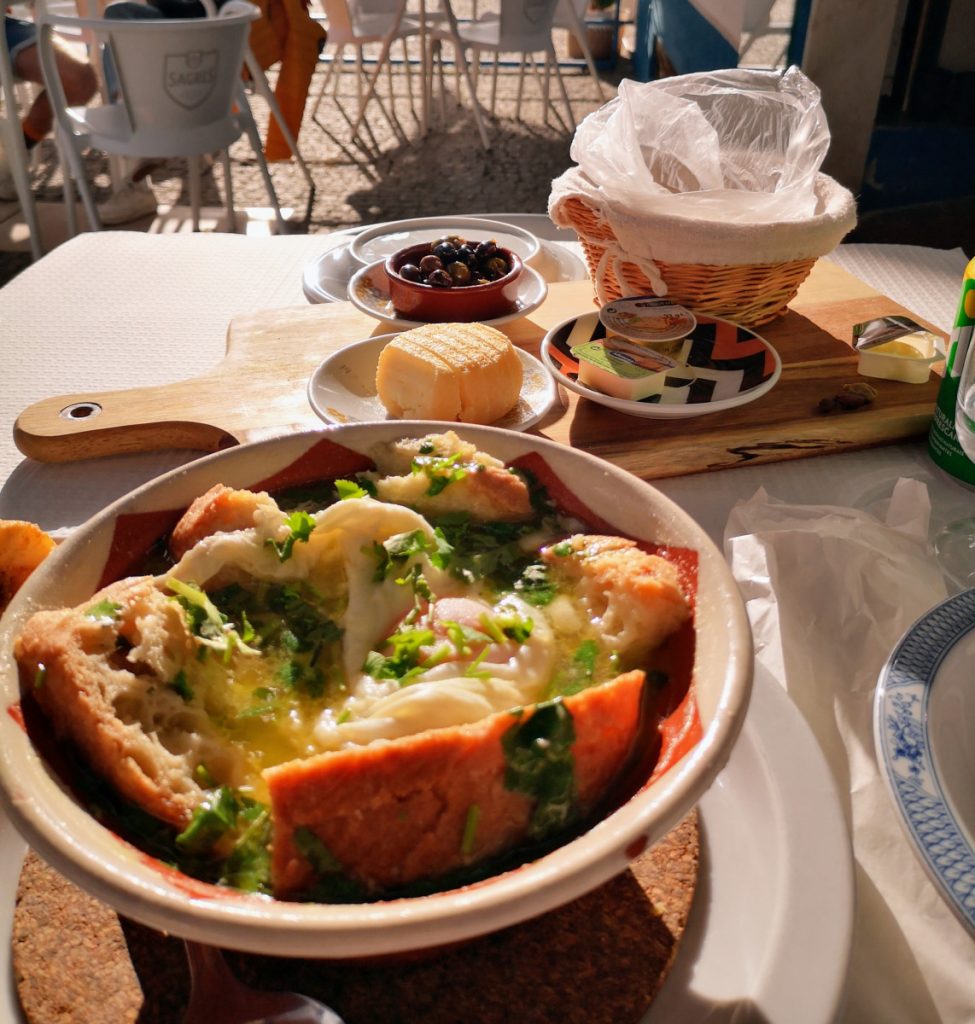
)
(829, 592)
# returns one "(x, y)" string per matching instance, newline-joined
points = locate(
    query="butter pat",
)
(618, 368)
(895, 348)
(908, 359)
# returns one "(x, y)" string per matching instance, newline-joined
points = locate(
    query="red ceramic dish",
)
(460, 304)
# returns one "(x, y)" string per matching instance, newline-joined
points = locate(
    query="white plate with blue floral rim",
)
(924, 729)
(343, 388)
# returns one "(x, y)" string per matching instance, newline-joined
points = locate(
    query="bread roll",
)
(460, 372)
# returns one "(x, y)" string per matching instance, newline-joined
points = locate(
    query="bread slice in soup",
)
(412, 672)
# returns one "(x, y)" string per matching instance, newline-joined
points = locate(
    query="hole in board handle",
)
(80, 411)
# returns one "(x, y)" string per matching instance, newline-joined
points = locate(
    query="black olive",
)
(410, 272)
(484, 250)
(495, 267)
(430, 263)
(459, 273)
(440, 279)
(466, 255)
(446, 252)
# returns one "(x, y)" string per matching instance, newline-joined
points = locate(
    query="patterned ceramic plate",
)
(924, 728)
(729, 365)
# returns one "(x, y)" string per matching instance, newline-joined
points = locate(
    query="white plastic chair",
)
(521, 26)
(356, 25)
(570, 15)
(180, 84)
(12, 139)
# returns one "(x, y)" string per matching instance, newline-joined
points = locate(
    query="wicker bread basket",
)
(745, 272)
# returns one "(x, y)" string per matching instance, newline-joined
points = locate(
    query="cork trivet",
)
(598, 960)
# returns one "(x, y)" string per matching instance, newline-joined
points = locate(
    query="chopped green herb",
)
(318, 855)
(202, 775)
(347, 489)
(106, 609)
(539, 763)
(440, 470)
(535, 585)
(300, 524)
(249, 865)
(563, 548)
(470, 830)
(40, 676)
(181, 686)
(211, 821)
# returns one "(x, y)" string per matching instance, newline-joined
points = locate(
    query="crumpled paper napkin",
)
(829, 592)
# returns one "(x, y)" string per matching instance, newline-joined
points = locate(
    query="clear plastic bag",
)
(734, 145)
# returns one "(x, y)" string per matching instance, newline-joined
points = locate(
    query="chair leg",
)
(193, 164)
(461, 59)
(550, 57)
(521, 81)
(260, 81)
(17, 156)
(228, 191)
(494, 83)
(76, 169)
(579, 31)
(373, 79)
(250, 128)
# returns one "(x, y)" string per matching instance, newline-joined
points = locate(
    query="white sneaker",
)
(8, 190)
(133, 201)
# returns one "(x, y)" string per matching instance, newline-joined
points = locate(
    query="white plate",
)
(924, 729)
(771, 927)
(343, 388)
(765, 866)
(369, 292)
(382, 240)
(747, 367)
(326, 278)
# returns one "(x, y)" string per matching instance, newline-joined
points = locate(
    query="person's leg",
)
(76, 75)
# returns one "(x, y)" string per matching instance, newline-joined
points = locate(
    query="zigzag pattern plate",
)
(730, 365)
(924, 729)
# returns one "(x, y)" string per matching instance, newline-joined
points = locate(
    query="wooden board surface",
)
(259, 389)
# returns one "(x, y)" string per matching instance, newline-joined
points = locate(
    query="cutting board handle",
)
(84, 426)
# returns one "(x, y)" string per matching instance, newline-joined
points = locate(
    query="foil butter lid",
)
(647, 318)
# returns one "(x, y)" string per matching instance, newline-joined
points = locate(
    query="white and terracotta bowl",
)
(135, 884)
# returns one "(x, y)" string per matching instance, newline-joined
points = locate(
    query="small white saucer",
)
(731, 365)
(369, 292)
(326, 277)
(343, 388)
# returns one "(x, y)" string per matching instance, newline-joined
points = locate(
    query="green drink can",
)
(943, 446)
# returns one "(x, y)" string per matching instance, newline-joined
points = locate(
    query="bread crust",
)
(70, 662)
(394, 812)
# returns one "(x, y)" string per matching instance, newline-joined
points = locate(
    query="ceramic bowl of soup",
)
(286, 642)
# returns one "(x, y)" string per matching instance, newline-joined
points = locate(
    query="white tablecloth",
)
(124, 310)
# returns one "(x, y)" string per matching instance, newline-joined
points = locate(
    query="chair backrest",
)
(179, 81)
(526, 24)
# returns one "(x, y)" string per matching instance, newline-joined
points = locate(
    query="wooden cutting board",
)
(259, 389)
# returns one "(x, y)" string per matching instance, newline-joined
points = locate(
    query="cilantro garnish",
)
(347, 489)
(441, 470)
(300, 524)
(107, 610)
(181, 686)
(539, 763)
